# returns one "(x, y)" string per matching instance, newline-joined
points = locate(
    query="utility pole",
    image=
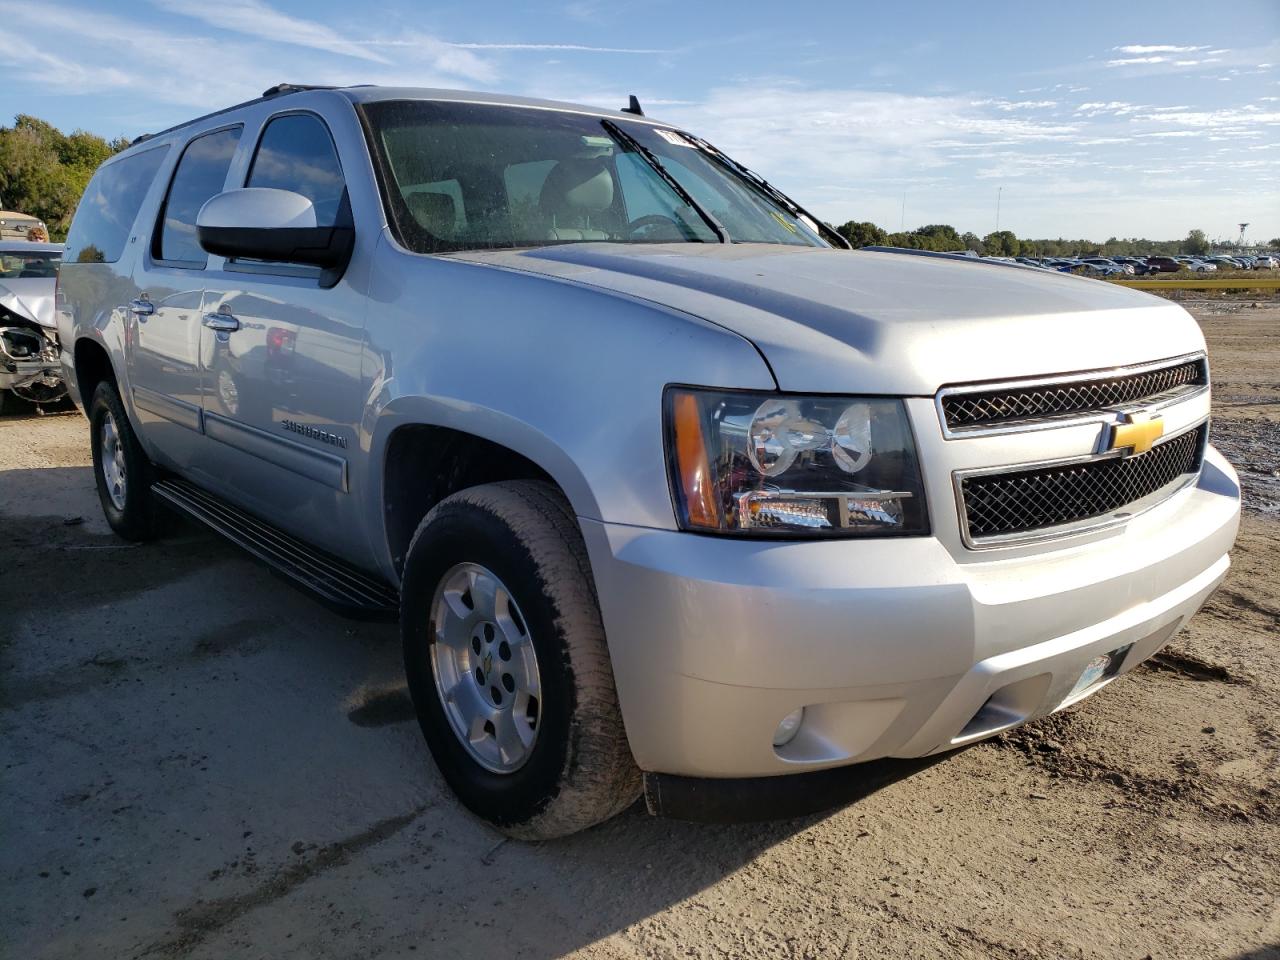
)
(902, 220)
(999, 191)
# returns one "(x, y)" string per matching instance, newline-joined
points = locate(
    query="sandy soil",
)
(198, 761)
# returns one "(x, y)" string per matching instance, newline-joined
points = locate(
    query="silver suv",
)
(666, 488)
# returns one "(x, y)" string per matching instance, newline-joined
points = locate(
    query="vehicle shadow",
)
(16, 409)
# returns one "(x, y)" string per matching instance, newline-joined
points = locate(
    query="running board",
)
(335, 583)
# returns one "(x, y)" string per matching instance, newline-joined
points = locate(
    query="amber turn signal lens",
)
(693, 470)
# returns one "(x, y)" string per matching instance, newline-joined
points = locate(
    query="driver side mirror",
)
(267, 224)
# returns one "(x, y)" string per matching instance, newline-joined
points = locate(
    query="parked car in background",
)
(1201, 266)
(1266, 261)
(1140, 266)
(671, 495)
(16, 226)
(1105, 263)
(1164, 264)
(29, 365)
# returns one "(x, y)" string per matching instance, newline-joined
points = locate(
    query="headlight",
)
(775, 465)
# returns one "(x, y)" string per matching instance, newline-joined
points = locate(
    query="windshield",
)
(14, 265)
(459, 176)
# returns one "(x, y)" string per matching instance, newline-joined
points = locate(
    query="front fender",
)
(569, 376)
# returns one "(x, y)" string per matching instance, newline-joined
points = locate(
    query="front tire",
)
(120, 466)
(506, 661)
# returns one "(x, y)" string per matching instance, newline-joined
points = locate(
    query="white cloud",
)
(1156, 48)
(1010, 105)
(254, 18)
(568, 48)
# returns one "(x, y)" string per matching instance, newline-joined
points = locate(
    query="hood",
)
(835, 321)
(31, 299)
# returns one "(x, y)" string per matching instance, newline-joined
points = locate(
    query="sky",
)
(1083, 119)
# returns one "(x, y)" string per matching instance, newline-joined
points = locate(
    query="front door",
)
(282, 347)
(164, 325)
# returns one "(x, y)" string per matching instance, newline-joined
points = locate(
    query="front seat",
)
(435, 213)
(576, 199)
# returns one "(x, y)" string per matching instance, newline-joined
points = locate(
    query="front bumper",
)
(26, 373)
(893, 647)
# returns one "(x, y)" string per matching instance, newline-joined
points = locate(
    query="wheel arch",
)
(419, 457)
(92, 366)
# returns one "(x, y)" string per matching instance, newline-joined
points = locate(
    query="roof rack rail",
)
(280, 89)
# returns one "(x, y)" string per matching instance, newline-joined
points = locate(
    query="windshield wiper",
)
(651, 158)
(768, 189)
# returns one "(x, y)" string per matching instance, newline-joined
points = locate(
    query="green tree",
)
(972, 242)
(1196, 243)
(939, 236)
(43, 171)
(909, 240)
(862, 233)
(1002, 243)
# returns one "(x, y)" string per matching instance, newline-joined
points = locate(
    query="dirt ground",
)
(197, 761)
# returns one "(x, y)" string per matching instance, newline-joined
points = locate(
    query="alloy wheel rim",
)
(485, 668)
(113, 471)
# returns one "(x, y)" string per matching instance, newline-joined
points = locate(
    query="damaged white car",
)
(29, 368)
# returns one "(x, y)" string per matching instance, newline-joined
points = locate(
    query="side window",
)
(109, 206)
(296, 153)
(201, 173)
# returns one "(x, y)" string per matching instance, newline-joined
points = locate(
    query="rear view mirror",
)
(266, 224)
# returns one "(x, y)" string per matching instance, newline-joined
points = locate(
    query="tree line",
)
(43, 172)
(1005, 243)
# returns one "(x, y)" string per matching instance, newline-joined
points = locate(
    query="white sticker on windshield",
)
(672, 137)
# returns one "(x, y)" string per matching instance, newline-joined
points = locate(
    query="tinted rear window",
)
(109, 207)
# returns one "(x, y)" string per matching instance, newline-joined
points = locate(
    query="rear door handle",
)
(221, 322)
(142, 307)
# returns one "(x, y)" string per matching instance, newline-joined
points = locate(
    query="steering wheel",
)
(657, 222)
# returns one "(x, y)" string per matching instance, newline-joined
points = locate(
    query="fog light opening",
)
(788, 728)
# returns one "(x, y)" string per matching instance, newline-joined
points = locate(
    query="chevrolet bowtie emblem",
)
(1136, 433)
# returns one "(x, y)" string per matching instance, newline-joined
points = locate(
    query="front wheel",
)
(121, 468)
(506, 661)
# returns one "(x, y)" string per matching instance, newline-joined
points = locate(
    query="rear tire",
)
(577, 770)
(121, 469)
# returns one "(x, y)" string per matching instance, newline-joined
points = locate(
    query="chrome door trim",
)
(318, 465)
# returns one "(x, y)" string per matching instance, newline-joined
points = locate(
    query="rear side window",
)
(296, 153)
(201, 173)
(109, 206)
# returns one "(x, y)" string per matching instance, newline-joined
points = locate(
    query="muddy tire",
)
(506, 660)
(121, 469)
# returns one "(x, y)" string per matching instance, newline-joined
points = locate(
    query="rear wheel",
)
(121, 468)
(506, 661)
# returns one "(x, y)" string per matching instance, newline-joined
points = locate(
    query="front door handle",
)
(142, 307)
(221, 322)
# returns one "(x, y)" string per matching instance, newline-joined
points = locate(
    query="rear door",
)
(166, 370)
(283, 394)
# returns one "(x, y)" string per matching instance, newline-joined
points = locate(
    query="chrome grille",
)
(1021, 501)
(964, 409)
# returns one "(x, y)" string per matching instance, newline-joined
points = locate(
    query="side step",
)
(335, 583)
